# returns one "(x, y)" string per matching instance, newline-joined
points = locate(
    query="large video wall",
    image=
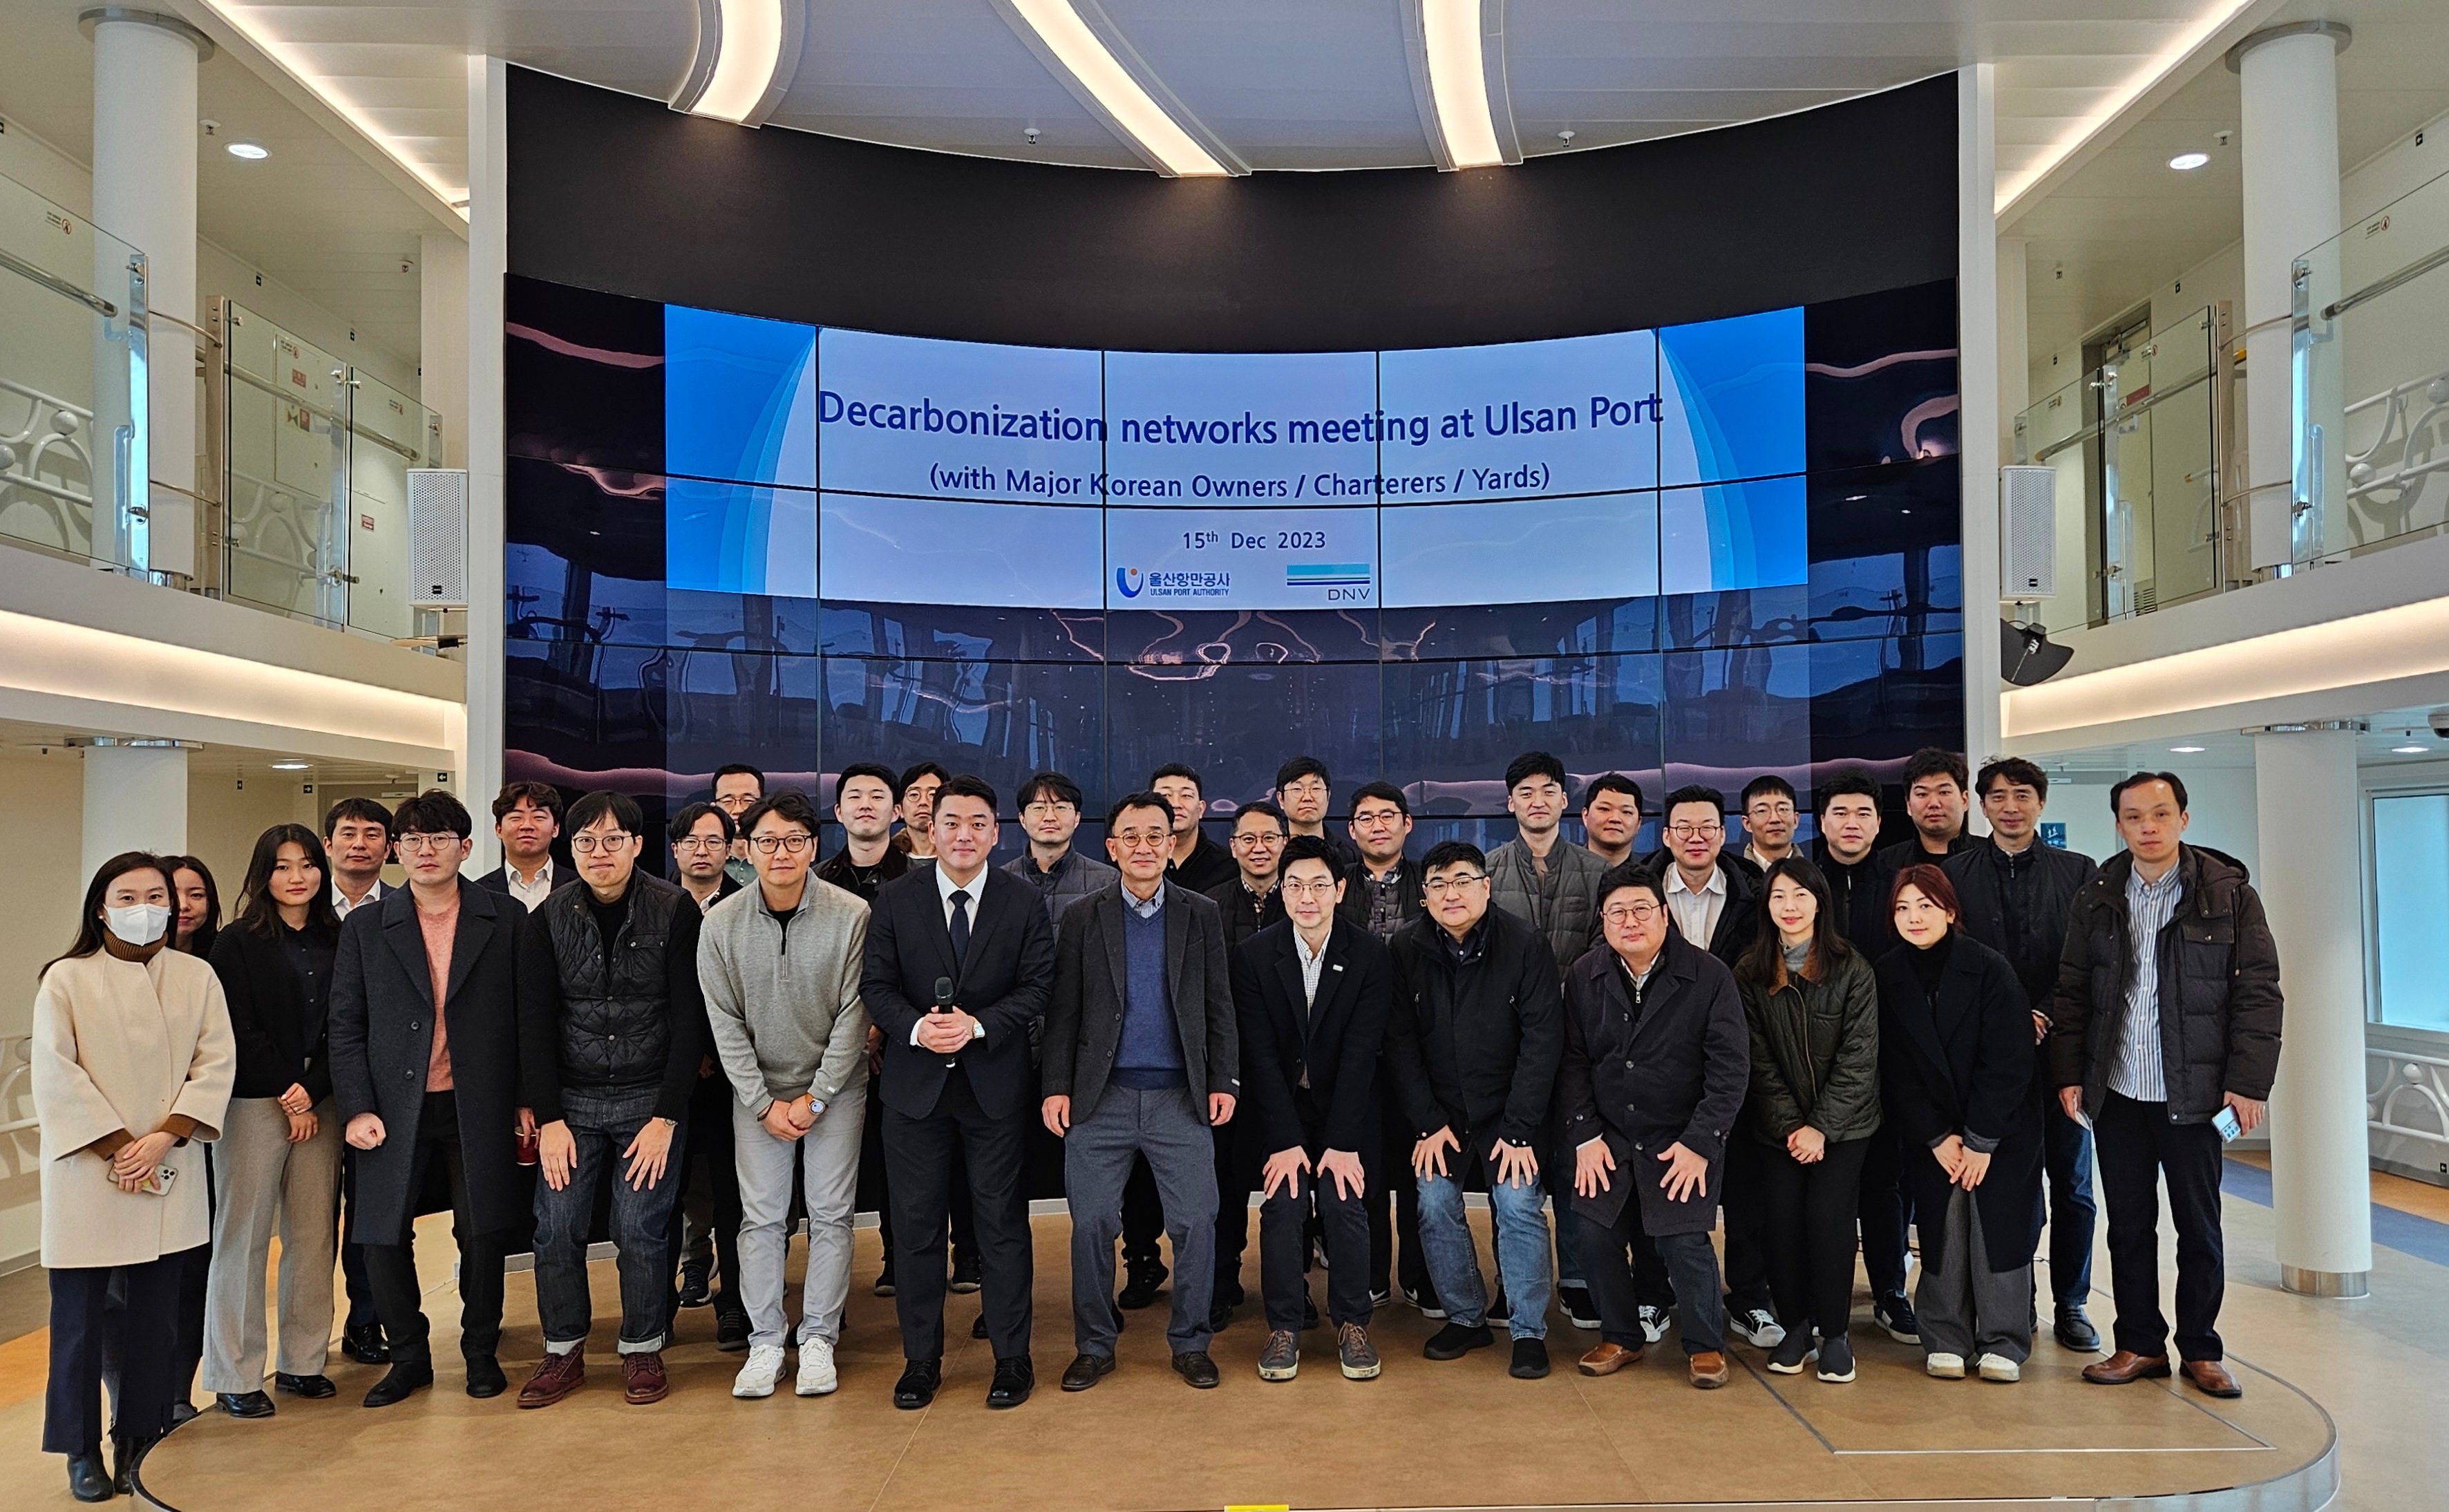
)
(1693, 552)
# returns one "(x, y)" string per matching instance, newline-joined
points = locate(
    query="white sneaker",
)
(1999, 1368)
(1653, 1323)
(756, 1378)
(1945, 1367)
(816, 1376)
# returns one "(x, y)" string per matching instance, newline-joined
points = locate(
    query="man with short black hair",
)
(706, 1220)
(2016, 891)
(1062, 873)
(526, 817)
(608, 972)
(1671, 1012)
(918, 791)
(1611, 809)
(1304, 790)
(2164, 1020)
(960, 959)
(356, 838)
(782, 965)
(736, 788)
(1382, 894)
(1937, 801)
(701, 836)
(1251, 903)
(1769, 818)
(1253, 900)
(1195, 862)
(1143, 1059)
(1472, 1052)
(1381, 890)
(1313, 993)
(867, 799)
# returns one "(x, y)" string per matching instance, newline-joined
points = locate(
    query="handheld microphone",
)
(944, 1002)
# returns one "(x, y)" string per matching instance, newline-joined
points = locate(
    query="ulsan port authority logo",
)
(1338, 582)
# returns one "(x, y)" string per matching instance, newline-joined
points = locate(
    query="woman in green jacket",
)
(1813, 1006)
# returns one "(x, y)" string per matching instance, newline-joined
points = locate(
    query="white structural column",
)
(135, 799)
(2288, 88)
(442, 346)
(144, 193)
(1977, 297)
(488, 265)
(2305, 783)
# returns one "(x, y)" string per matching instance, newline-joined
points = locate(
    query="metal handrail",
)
(2100, 427)
(57, 285)
(2374, 290)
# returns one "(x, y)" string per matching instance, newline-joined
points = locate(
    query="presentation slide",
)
(915, 550)
(1732, 398)
(1520, 551)
(1190, 430)
(1241, 558)
(1525, 419)
(958, 419)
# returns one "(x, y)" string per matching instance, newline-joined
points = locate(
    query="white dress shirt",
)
(945, 887)
(1696, 913)
(531, 894)
(342, 906)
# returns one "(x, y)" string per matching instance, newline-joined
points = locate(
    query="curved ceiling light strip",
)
(1456, 49)
(1082, 46)
(747, 53)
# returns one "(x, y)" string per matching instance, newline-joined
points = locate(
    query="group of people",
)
(1818, 1046)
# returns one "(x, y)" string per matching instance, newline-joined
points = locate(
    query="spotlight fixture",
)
(293, 764)
(748, 52)
(251, 151)
(2186, 750)
(2188, 162)
(2027, 655)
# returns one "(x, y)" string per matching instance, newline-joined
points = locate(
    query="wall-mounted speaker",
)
(2028, 534)
(437, 537)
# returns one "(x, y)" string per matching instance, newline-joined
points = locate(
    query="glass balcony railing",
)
(73, 464)
(311, 457)
(2136, 445)
(2372, 381)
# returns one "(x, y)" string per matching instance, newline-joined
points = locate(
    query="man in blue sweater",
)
(1142, 1057)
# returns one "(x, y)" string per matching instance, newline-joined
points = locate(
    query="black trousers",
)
(705, 1162)
(1394, 1204)
(1807, 1219)
(148, 1339)
(2138, 1147)
(1747, 1283)
(392, 1268)
(1884, 1212)
(923, 1158)
(354, 1276)
(1283, 1242)
(875, 1188)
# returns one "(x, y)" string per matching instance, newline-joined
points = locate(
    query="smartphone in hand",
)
(2224, 1121)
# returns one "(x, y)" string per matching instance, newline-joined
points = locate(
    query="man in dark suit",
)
(527, 820)
(1657, 1059)
(428, 1051)
(1313, 993)
(1143, 1059)
(959, 963)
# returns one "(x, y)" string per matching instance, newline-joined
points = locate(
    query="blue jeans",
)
(1522, 1253)
(603, 1123)
(2074, 1214)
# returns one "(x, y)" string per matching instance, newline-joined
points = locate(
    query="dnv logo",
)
(1127, 580)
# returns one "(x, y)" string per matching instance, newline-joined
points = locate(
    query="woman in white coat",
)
(132, 1062)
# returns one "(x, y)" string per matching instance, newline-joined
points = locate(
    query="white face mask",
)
(139, 925)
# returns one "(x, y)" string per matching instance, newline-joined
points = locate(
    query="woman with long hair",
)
(1957, 1075)
(198, 898)
(1813, 1007)
(278, 1165)
(132, 1058)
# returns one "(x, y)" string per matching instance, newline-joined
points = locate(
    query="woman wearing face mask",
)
(132, 1060)
(1956, 1043)
(278, 1163)
(1813, 1006)
(197, 899)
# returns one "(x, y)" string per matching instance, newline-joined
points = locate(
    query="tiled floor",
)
(1423, 1435)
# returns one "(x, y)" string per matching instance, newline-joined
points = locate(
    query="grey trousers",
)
(1966, 1308)
(1170, 1128)
(264, 1185)
(827, 1160)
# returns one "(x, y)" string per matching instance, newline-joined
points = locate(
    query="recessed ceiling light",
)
(1450, 36)
(289, 766)
(2409, 751)
(2188, 162)
(251, 151)
(1131, 110)
(2186, 750)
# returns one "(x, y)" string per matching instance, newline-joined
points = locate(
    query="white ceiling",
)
(2391, 729)
(2125, 222)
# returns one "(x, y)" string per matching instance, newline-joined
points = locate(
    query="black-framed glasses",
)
(789, 844)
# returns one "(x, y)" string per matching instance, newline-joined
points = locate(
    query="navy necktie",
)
(960, 924)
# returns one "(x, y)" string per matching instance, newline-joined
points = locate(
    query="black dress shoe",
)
(1085, 1370)
(399, 1383)
(88, 1479)
(1194, 1366)
(916, 1388)
(1141, 1286)
(363, 1342)
(485, 1378)
(2075, 1332)
(730, 1330)
(125, 1455)
(978, 1326)
(1013, 1380)
(312, 1388)
(244, 1403)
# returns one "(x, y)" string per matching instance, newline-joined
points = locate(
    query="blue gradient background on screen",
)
(740, 404)
(1733, 399)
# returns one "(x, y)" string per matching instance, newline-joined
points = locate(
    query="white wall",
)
(2219, 799)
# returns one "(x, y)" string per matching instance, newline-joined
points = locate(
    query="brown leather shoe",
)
(557, 1377)
(2126, 1365)
(642, 1378)
(2212, 1378)
(1709, 1370)
(1607, 1359)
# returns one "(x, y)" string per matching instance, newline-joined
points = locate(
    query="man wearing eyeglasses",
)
(1382, 894)
(701, 836)
(1656, 1062)
(1062, 873)
(1769, 817)
(1472, 1049)
(1251, 903)
(780, 966)
(706, 1220)
(1254, 898)
(737, 788)
(1143, 1058)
